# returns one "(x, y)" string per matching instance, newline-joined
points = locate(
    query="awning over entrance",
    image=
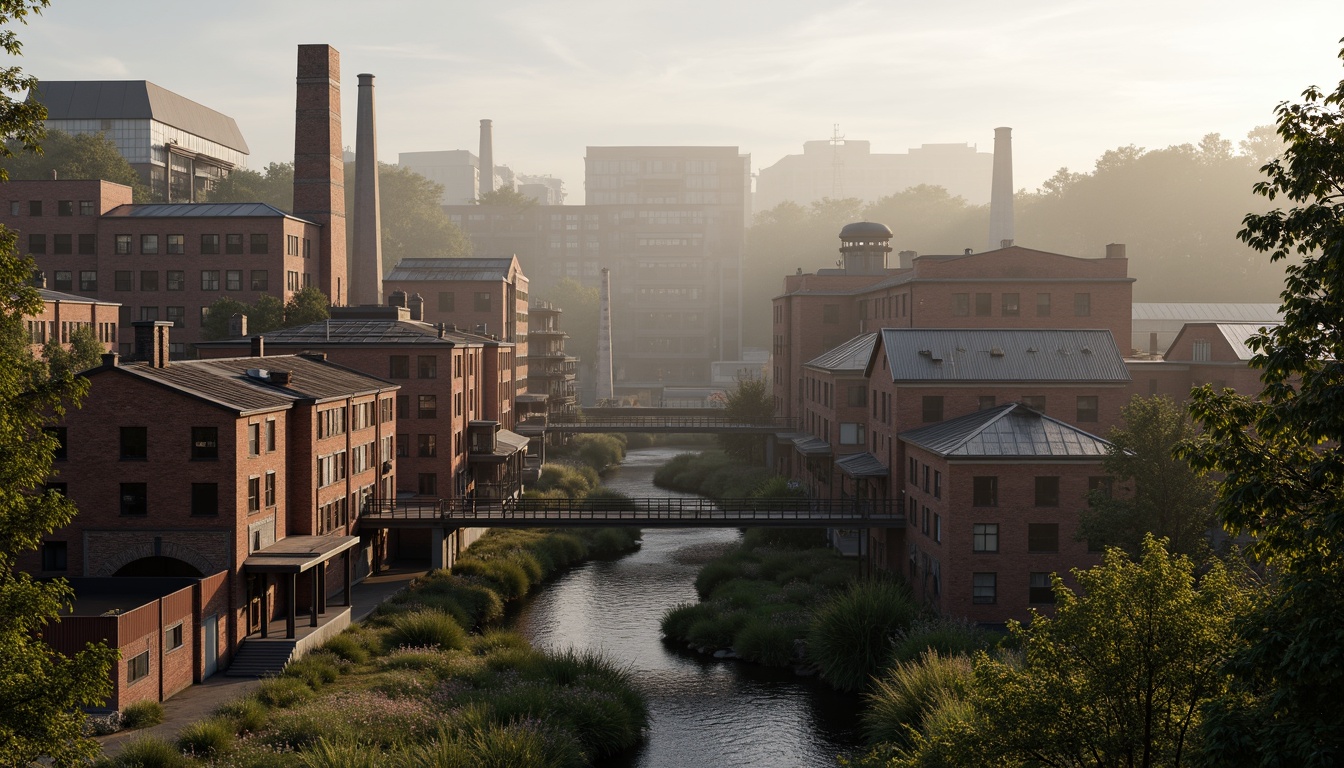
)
(861, 465)
(507, 444)
(812, 446)
(297, 554)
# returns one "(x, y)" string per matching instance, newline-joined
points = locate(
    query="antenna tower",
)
(837, 163)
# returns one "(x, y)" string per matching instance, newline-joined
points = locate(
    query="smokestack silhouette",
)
(319, 169)
(487, 158)
(366, 280)
(605, 385)
(1001, 191)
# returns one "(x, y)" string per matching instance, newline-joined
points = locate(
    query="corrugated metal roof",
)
(470, 269)
(1007, 431)
(812, 446)
(48, 295)
(1003, 354)
(135, 100)
(1206, 313)
(360, 331)
(226, 382)
(861, 465)
(197, 210)
(1237, 334)
(853, 355)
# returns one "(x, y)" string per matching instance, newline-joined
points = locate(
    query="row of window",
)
(1010, 304)
(63, 208)
(63, 245)
(931, 406)
(257, 243)
(39, 331)
(985, 589)
(1042, 538)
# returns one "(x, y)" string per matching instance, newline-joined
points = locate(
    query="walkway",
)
(200, 701)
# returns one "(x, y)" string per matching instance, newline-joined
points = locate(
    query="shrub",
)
(784, 538)
(676, 623)
(316, 669)
(211, 737)
(609, 542)
(851, 634)
(283, 692)
(948, 637)
(342, 754)
(717, 631)
(427, 629)
(716, 573)
(497, 639)
(248, 714)
(347, 647)
(779, 487)
(508, 578)
(150, 752)
(141, 714)
(904, 695)
(765, 641)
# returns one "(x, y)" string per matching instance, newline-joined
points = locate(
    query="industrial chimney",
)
(606, 389)
(1001, 190)
(487, 158)
(319, 170)
(366, 280)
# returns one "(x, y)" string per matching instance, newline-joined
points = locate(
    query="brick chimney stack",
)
(319, 167)
(1001, 190)
(151, 342)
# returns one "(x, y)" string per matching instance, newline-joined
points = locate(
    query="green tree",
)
(86, 351)
(41, 691)
(274, 186)
(1281, 456)
(1160, 493)
(505, 197)
(308, 305)
(76, 156)
(1116, 678)
(413, 223)
(749, 402)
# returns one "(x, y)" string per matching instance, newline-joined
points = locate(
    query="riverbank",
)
(426, 681)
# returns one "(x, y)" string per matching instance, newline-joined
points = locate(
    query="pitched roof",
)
(135, 100)
(853, 355)
(70, 298)
(469, 269)
(360, 331)
(1206, 313)
(1005, 432)
(228, 383)
(1002, 354)
(198, 210)
(861, 465)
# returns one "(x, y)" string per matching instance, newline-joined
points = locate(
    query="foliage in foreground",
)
(851, 635)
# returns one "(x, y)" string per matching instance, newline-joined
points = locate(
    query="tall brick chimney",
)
(319, 168)
(1001, 190)
(487, 157)
(366, 267)
(151, 342)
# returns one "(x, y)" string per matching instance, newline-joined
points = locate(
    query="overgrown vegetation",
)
(713, 474)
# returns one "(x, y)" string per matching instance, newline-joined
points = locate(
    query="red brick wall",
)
(58, 319)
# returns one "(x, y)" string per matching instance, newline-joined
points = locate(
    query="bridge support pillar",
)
(770, 453)
(438, 549)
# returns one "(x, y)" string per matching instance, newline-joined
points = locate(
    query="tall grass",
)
(851, 634)
(428, 629)
(903, 696)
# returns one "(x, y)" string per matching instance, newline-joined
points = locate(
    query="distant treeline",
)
(1177, 209)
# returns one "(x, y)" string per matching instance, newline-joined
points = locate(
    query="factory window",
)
(209, 245)
(1201, 350)
(399, 367)
(1011, 304)
(88, 245)
(1040, 591)
(134, 499)
(149, 245)
(985, 491)
(55, 556)
(428, 446)
(1087, 408)
(258, 243)
(1047, 491)
(1043, 537)
(86, 208)
(88, 280)
(260, 280)
(137, 668)
(64, 280)
(292, 281)
(984, 588)
(123, 280)
(177, 244)
(428, 407)
(15, 208)
(62, 245)
(149, 313)
(177, 280)
(932, 408)
(37, 244)
(172, 637)
(446, 301)
(65, 208)
(123, 245)
(134, 443)
(1082, 304)
(233, 279)
(253, 495)
(205, 443)
(149, 280)
(270, 489)
(428, 366)
(34, 207)
(233, 244)
(291, 245)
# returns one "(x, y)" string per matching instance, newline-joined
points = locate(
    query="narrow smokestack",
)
(1001, 191)
(417, 306)
(151, 342)
(319, 170)
(258, 347)
(606, 389)
(366, 285)
(487, 158)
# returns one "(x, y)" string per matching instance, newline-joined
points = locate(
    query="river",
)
(703, 712)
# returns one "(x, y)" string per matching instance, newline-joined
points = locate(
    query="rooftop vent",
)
(996, 352)
(925, 352)
(282, 378)
(1031, 350)
(1086, 350)
(258, 373)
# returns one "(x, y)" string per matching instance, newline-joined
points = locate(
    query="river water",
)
(703, 712)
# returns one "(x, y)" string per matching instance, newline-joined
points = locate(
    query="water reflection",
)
(703, 712)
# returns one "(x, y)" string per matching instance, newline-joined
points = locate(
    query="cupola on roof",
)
(865, 230)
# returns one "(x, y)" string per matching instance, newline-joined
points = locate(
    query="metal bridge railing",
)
(687, 509)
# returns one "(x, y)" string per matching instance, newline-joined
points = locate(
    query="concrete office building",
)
(179, 148)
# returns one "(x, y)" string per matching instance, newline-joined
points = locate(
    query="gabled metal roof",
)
(1206, 313)
(1006, 432)
(851, 356)
(343, 332)
(812, 446)
(1237, 334)
(70, 298)
(1003, 354)
(135, 100)
(861, 465)
(468, 269)
(198, 211)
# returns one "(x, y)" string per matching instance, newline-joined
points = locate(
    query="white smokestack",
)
(1001, 191)
(606, 389)
(366, 283)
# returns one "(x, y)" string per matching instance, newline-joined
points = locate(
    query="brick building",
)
(63, 313)
(259, 475)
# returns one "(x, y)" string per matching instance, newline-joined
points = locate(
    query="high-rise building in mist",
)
(848, 168)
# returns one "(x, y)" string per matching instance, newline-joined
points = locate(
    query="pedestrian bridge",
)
(661, 512)
(665, 421)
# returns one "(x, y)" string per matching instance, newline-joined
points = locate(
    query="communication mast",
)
(837, 164)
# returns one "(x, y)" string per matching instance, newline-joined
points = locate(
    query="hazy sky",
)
(1072, 79)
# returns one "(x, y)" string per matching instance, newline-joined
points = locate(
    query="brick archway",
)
(168, 549)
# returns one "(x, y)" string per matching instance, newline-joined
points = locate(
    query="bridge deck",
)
(668, 423)
(691, 512)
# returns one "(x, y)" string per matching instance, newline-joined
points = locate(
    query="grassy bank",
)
(426, 681)
(712, 474)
